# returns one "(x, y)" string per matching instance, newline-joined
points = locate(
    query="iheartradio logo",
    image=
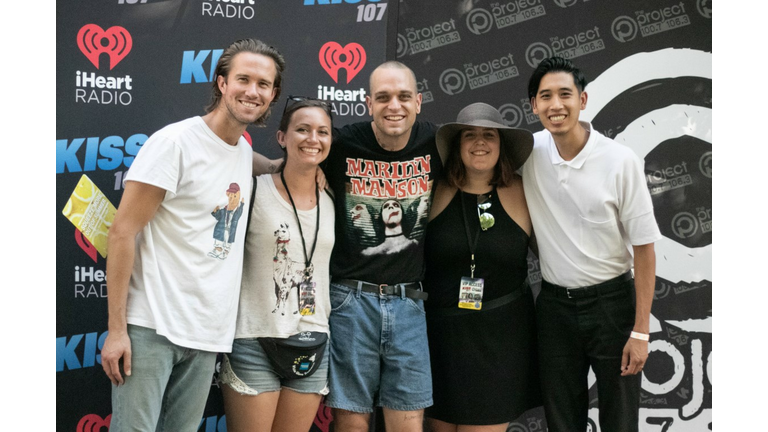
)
(333, 57)
(93, 41)
(93, 423)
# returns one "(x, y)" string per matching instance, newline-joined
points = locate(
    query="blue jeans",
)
(168, 386)
(574, 334)
(379, 352)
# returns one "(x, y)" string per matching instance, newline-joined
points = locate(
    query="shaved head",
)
(392, 64)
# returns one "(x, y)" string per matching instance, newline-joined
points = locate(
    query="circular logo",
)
(566, 3)
(666, 118)
(677, 170)
(661, 291)
(402, 45)
(517, 427)
(655, 348)
(705, 8)
(536, 52)
(303, 365)
(591, 426)
(705, 164)
(512, 114)
(624, 28)
(452, 81)
(684, 225)
(479, 21)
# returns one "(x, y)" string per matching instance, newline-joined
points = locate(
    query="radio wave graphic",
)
(93, 423)
(331, 59)
(323, 418)
(94, 41)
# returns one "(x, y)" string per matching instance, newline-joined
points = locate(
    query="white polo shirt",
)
(589, 211)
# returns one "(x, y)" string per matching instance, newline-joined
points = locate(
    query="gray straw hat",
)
(518, 143)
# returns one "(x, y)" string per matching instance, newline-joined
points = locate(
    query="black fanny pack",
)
(297, 356)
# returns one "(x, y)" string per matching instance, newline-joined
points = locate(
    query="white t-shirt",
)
(274, 261)
(589, 211)
(181, 285)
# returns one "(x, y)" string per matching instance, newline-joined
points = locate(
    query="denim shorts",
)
(247, 370)
(379, 352)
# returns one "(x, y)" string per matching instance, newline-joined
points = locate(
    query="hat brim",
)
(518, 143)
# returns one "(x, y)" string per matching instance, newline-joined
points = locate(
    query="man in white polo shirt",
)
(593, 219)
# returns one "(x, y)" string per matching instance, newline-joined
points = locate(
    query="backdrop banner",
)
(126, 68)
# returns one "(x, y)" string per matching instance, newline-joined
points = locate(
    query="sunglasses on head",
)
(293, 100)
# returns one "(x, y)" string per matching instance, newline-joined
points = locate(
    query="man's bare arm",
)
(636, 351)
(137, 207)
(262, 165)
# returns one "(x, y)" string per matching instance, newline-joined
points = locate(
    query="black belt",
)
(412, 289)
(487, 305)
(608, 286)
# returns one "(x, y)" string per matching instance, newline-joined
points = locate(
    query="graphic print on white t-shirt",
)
(290, 274)
(225, 230)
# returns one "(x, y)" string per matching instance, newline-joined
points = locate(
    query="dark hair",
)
(555, 64)
(300, 103)
(290, 110)
(254, 46)
(456, 172)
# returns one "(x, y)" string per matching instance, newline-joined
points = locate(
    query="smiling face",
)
(393, 103)
(248, 89)
(479, 148)
(558, 103)
(307, 139)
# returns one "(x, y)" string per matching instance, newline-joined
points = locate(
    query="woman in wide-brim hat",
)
(480, 313)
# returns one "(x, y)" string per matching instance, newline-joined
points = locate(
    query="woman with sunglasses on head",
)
(480, 313)
(284, 291)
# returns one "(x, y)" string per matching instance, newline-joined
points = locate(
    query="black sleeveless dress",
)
(484, 363)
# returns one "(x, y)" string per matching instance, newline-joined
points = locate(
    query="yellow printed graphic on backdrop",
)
(91, 212)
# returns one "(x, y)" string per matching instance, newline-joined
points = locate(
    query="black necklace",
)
(472, 244)
(307, 259)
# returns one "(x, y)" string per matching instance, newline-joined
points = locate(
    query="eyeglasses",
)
(293, 100)
(483, 204)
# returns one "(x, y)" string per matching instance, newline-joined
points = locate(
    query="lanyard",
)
(307, 260)
(472, 244)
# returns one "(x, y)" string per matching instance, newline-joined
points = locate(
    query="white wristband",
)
(639, 336)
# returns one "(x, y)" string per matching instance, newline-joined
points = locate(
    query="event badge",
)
(307, 297)
(91, 212)
(471, 293)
